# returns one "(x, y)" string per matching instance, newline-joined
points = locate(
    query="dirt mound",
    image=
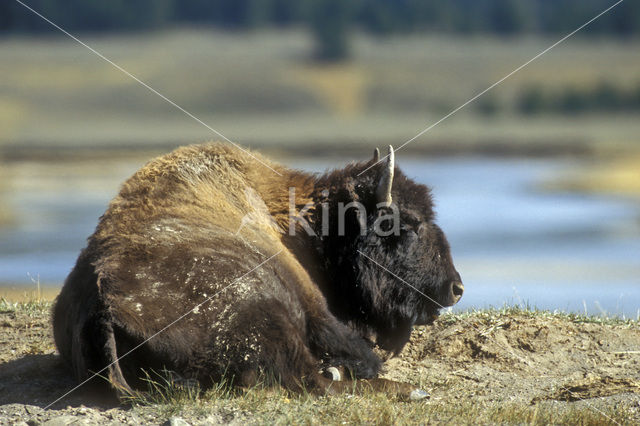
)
(595, 387)
(523, 356)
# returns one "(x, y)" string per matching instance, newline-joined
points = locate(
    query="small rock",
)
(32, 409)
(176, 421)
(418, 394)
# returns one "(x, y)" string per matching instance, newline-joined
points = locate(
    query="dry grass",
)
(341, 87)
(275, 406)
(453, 399)
(261, 405)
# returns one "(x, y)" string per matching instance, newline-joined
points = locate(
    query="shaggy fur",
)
(172, 239)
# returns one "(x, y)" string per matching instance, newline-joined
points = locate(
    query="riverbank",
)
(618, 176)
(578, 137)
(23, 294)
(492, 366)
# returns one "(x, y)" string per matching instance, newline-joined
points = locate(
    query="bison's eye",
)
(386, 224)
(410, 237)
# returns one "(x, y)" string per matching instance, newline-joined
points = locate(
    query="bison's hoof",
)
(332, 373)
(417, 395)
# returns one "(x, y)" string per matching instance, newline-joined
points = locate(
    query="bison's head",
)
(390, 263)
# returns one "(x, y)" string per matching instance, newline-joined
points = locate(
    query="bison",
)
(209, 265)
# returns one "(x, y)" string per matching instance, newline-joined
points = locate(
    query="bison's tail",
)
(83, 329)
(94, 354)
(113, 372)
(88, 345)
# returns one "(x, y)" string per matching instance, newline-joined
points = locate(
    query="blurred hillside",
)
(259, 89)
(245, 67)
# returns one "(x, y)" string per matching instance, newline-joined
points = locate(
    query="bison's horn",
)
(383, 192)
(376, 155)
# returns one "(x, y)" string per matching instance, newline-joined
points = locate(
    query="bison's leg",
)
(404, 391)
(260, 341)
(338, 345)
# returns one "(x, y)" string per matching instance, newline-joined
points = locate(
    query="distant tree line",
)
(330, 20)
(536, 99)
(604, 96)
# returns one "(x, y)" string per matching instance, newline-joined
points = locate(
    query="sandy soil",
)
(618, 176)
(488, 357)
(524, 357)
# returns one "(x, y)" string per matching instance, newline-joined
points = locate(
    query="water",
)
(516, 244)
(511, 242)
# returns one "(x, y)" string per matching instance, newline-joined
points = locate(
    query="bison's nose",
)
(456, 292)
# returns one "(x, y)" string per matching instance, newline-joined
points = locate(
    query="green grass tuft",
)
(30, 306)
(527, 311)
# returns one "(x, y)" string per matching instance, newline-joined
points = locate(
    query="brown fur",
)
(169, 241)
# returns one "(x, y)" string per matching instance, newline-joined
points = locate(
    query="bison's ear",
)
(376, 156)
(383, 191)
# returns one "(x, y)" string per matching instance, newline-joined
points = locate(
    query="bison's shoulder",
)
(191, 192)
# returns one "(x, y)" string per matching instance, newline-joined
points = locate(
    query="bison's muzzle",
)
(455, 293)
